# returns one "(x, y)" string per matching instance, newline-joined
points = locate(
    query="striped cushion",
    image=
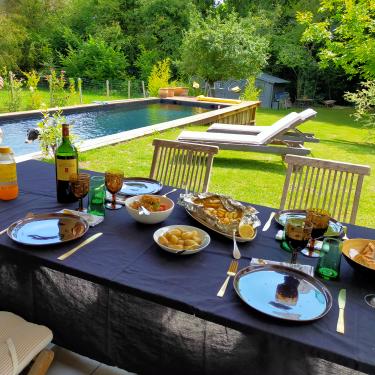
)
(20, 342)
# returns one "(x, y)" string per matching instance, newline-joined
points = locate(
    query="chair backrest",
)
(331, 185)
(182, 165)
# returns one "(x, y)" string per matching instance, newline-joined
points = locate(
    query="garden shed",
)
(271, 87)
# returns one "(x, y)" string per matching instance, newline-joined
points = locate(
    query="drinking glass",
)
(79, 183)
(328, 266)
(297, 235)
(320, 220)
(97, 196)
(113, 182)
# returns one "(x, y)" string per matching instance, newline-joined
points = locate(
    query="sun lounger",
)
(261, 142)
(291, 134)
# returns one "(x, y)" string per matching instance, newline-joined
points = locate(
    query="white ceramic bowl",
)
(205, 239)
(154, 217)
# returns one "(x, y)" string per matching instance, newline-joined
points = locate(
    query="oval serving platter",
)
(283, 293)
(140, 185)
(207, 225)
(47, 229)
(335, 228)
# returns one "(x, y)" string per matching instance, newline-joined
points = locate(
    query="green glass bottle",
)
(66, 161)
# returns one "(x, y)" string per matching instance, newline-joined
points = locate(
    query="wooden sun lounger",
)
(293, 134)
(261, 142)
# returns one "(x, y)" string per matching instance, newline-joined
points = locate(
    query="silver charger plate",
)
(334, 228)
(283, 293)
(47, 229)
(140, 185)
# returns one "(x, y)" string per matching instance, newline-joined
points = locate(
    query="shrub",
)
(56, 83)
(251, 92)
(364, 101)
(159, 77)
(14, 87)
(32, 80)
(94, 59)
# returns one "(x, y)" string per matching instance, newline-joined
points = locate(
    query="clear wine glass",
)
(113, 182)
(80, 183)
(297, 235)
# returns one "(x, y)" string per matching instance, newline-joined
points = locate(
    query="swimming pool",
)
(99, 122)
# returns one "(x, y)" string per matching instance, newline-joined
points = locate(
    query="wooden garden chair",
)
(317, 183)
(22, 343)
(182, 165)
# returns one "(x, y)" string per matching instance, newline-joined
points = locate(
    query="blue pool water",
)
(98, 123)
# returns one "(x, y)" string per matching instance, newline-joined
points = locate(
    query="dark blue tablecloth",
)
(125, 261)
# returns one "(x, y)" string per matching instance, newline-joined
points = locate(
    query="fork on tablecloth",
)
(231, 272)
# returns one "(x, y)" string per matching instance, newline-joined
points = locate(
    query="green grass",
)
(88, 97)
(254, 177)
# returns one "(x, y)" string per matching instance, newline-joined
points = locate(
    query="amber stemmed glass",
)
(113, 183)
(320, 221)
(297, 235)
(80, 183)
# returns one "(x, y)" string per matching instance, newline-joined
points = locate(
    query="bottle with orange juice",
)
(8, 174)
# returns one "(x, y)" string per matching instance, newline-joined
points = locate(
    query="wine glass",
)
(113, 182)
(297, 235)
(319, 218)
(79, 183)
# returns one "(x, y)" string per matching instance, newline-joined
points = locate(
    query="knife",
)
(85, 242)
(340, 322)
(267, 225)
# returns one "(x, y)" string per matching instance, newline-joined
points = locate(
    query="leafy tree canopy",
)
(344, 31)
(218, 49)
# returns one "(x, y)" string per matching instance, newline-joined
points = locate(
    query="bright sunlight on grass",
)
(254, 177)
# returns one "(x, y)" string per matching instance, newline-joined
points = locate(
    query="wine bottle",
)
(66, 160)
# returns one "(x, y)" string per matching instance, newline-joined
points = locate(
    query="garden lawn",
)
(256, 177)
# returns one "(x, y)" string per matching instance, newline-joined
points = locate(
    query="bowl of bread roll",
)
(360, 254)
(182, 239)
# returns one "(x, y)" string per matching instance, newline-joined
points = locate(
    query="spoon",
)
(236, 251)
(370, 300)
(169, 192)
(345, 229)
(143, 211)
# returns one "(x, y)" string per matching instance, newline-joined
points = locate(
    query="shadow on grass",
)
(238, 163)
(355, 147)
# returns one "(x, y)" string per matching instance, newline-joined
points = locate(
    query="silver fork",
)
(231, 272)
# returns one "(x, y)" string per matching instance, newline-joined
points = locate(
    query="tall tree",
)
(344, 33)
(218, 48)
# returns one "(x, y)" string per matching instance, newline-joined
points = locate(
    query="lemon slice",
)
(246, 231)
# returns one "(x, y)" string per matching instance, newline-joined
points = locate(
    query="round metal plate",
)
(334, 229)
(140, 185)
(283, 292)
(47, 229)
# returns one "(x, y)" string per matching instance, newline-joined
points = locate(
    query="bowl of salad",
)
(158, 206)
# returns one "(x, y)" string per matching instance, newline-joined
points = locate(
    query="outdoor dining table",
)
(124, 301)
